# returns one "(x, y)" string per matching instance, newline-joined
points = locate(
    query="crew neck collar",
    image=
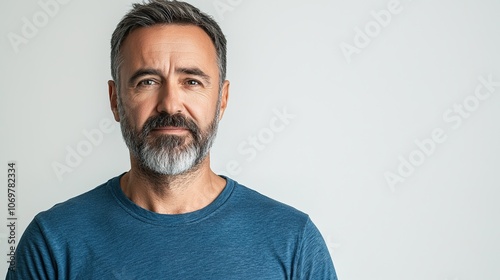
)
(169, 219)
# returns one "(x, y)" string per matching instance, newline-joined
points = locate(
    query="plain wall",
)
(380, 119)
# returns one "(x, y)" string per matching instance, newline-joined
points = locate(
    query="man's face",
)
(168, 104)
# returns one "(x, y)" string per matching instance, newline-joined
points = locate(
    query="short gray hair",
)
(166, 12)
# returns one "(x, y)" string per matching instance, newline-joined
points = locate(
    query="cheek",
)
(203, 111)
(136, 113)
(140, 117)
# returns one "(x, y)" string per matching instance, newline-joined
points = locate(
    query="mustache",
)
(166, 119)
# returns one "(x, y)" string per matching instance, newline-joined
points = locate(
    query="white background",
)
(354, 116)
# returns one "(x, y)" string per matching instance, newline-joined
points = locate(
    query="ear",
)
(113, 99)
(224, 97)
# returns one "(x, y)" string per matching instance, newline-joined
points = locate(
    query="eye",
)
(147, 83)
(192, 82)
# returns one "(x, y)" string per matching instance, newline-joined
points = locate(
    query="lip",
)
(171, 130)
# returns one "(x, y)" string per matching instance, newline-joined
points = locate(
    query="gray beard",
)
(167, 154)
(174, 160)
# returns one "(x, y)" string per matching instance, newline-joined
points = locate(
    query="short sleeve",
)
(313, 260)
(33, 257)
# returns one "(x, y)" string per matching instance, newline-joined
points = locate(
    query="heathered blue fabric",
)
(103, 235)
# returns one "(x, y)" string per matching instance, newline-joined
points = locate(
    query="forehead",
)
(156, 45)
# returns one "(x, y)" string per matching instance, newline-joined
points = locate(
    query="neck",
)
(172, 194)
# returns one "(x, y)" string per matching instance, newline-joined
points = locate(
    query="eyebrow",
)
(143, 72)
(193, 71)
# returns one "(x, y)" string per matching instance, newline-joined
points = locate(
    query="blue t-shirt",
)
(240, 235)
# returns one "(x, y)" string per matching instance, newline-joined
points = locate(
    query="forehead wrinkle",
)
(160, 47)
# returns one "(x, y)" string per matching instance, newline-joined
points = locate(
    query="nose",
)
(170, 100)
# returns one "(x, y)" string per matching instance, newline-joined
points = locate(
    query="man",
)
(170, 216)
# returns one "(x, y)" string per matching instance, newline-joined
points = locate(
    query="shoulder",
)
(79, 208)
(267, 209)
(56, 232)
(283, 225)
(252, 198)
